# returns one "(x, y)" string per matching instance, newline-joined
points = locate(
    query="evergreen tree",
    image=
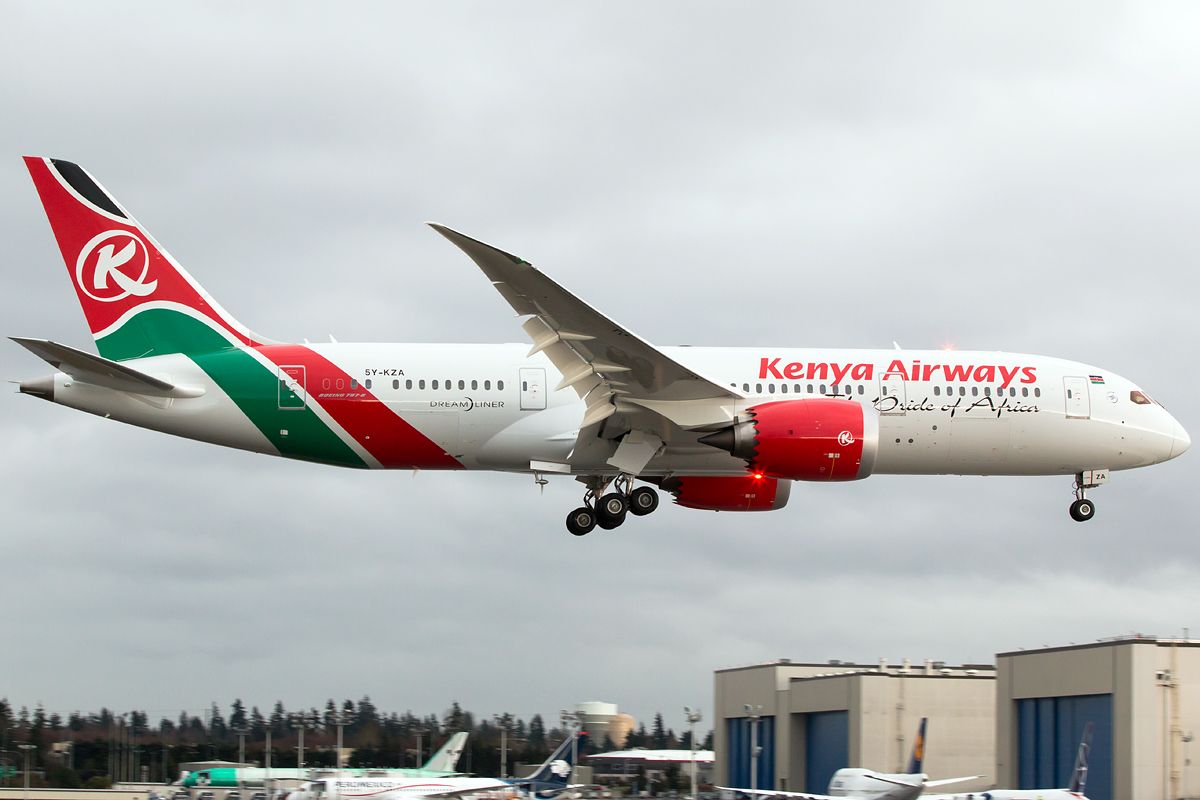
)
(237, 717)
(279, 719)
(659, 737)
(708, 741)
(537, 734)
(216, 724)
(257, 724)
(453, 720)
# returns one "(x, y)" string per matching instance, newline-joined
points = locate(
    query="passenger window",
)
(421, 385)
(325, 383)
(799, 388)
(408, 384)
(1024, 391)
(822, 388)
(987, 391)
(474, 385)
(487, 385)
(500, 386)
(1135, 396)
(758, 388)
(746, 388)
(833, 390)
(354, 383)
(962, 391)
(449, 384)
(810, 389)
(435, 384)
(974, 391)
(1037, 391)
(783, 388)
(396, 383)
(462, 384)
(937, 391)
(367, 383)
(862, 389)
(524, 386)
(770, 388)
(341, 384)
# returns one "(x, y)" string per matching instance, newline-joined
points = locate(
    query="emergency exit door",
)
(291, 387)
(1079, 404)
(533, 388)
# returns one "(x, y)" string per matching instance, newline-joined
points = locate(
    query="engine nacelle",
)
(818, 439)
(729, 493)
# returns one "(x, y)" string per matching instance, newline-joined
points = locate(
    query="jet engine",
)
(817, 439)
(729, 493)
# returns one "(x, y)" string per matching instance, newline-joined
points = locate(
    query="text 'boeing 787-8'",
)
(725, 429)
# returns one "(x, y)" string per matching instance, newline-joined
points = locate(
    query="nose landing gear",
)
(1083, 509)
(610, 510)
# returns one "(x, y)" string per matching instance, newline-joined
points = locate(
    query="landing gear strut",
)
(1084, 509)
(609, 510)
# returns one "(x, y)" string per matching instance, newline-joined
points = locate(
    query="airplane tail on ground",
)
(917, 760)
(1079, 774)
(138, 301)
(446, 759)
(554, 774)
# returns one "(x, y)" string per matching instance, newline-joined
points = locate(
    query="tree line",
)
(97, 749)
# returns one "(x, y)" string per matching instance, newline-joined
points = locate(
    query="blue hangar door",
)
(737, 732)
(826, 748)
(1048, 734)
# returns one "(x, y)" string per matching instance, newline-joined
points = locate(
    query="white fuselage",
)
(491, 407)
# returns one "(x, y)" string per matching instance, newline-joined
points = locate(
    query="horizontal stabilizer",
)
(948, 781)
(98, 371)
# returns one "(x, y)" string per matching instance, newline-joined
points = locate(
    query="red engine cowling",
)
(729, 493)
(818, 439)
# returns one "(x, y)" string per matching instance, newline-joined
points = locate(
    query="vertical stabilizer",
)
(138, 301)
(916, 762)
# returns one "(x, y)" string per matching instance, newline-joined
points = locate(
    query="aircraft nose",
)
(1181, 442)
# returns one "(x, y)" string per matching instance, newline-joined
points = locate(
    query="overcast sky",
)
(1023, 177)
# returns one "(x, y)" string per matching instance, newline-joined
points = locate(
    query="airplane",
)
(443, 763)
(722, 429)
(548, 780)
(867, 784)
(1074, 789)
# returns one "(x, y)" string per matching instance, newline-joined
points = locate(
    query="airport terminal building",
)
(1019, 723)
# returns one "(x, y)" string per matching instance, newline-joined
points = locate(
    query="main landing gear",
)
(610, 510)
(1084, 509)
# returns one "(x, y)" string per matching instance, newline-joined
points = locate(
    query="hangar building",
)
(1142, 696)
(817, 718)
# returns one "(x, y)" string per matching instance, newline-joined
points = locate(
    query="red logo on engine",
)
(114, 265)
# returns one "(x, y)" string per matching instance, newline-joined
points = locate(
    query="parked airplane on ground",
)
(551, 778)
(1073, 791)
(867, 784)
(443, 763)
(725, 429)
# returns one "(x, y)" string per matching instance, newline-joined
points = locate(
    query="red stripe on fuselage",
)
(374, 425)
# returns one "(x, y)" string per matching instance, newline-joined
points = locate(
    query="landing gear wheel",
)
(581, 521)
(1082, 510)
(642, 501)
(610, 510)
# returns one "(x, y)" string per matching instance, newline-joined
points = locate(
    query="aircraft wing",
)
(616, 372)
(777, 793)
(88, 368)
(949, 781)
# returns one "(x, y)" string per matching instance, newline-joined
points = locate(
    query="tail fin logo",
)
(560, 768)
(107, 264)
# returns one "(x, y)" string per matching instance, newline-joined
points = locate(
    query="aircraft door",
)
(533, 388)
(1079, 403)
(893, 394)
(292, 393)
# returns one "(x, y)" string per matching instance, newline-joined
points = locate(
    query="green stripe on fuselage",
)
(253, 387)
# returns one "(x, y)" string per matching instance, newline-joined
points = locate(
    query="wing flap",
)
(88, 368)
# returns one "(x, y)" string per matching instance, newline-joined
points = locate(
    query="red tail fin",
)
(138, 301)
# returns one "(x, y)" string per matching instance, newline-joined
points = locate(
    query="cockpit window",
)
(1140, 398)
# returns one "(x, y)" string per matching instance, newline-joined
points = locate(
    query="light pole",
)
(341, 719)
(754, 713)
(570, 722)
(240, 732)
(267, 765)
(692, 718)
(27, 748)
(301, 722)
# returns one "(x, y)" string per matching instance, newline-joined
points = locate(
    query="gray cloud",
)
(998, 177)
